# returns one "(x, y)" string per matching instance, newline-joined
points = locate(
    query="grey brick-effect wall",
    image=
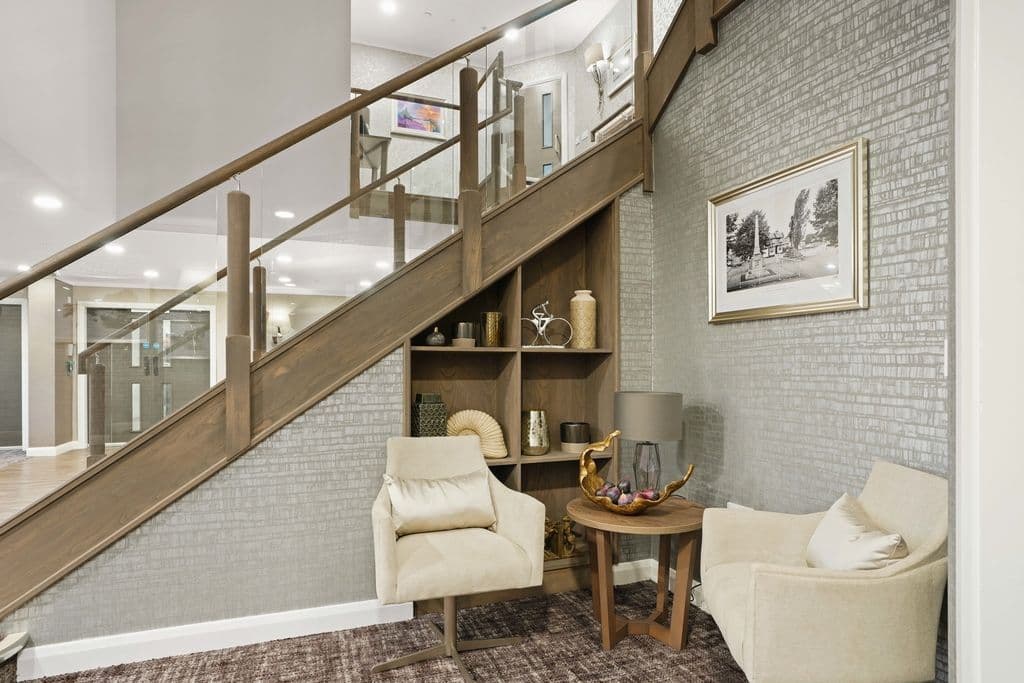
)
(636, 311)
(285, 527)
(788, 414)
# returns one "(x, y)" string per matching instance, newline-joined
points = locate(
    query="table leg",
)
(610, 633)
(664, 553)
(685, 559)
(594, 580)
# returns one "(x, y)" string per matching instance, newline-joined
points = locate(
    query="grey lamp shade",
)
(649, 415)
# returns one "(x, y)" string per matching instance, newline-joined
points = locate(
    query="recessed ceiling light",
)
(511, 33)
(47, 202)
(365, 283)
(23, 268)
(388, 6)
(284, 214)
(284, 258)
(284, 279)
(113, 248)
(289, 284)
(383, 265)
(150, 274)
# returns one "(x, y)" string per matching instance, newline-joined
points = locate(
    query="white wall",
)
(57, 123)
(990, 371)
(200, 83)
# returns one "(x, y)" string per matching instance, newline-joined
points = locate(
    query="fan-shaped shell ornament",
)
(469, 422)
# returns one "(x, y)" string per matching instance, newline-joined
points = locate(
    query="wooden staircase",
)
(66, 528)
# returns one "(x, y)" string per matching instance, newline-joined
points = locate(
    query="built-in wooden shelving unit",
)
(569, 384)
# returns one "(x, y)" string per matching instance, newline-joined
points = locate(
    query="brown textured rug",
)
(562, 643)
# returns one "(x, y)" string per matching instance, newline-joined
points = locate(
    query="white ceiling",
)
(431, 27)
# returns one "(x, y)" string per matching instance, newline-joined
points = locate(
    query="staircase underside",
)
(63, 530)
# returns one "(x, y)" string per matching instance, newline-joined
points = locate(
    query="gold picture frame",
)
(756, 271)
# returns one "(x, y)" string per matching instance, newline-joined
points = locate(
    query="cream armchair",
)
(446, 564)
(785, 622)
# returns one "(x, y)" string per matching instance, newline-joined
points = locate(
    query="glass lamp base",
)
(646, 466)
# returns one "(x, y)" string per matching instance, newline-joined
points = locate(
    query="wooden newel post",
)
(519, 142)
(238, 432)
(470, 204)
(259, 312)
(97, 407)
(399, 210)
(644, 56)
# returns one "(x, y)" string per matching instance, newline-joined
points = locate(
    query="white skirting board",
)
(92, 653)
(123, 648)
(53, 451)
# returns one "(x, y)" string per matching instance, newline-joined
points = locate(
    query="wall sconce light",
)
(599, 67)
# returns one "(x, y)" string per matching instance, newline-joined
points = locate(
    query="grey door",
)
(153, 371)
(10, 376)
(543, 134)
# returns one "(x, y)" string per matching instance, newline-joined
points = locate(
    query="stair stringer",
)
(60, 532)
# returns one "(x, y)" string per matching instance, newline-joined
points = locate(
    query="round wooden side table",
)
(675, 517)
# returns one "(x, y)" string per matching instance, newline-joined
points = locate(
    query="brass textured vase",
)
(491, 328)
(535, 437)
(583, 318)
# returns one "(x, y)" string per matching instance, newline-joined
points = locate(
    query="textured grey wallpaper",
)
(285, 527)
(788, 414)
(636, 308)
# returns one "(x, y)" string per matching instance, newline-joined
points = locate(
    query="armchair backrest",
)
(911, 503)
(433, 457)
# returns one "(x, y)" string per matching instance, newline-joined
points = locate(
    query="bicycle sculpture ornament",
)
(542, 320)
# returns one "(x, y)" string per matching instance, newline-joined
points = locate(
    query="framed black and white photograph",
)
(793, 242)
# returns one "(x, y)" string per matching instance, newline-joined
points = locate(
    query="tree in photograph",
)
(826, 213)
(801, 212)
(743, 244)
(731, 226)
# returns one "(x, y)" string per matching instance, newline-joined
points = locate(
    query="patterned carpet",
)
(562, 644)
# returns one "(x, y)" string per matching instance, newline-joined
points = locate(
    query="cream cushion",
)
(847, 539)
(458, 562)
(459, 502)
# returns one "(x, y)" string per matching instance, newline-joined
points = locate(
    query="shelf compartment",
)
(559, 456)
(474, 381)
(501, 296)
(570, 388)
(463, 349)
(556, 350)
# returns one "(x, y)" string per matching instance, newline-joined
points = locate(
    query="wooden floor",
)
(26, 481)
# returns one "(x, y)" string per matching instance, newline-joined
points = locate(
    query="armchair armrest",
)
(754, 536)
(384, 548)
(520, 520)
(848, 626)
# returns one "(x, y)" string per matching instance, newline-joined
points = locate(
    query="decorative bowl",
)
(590, 482)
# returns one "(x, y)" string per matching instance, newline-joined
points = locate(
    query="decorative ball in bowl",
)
(618, 497)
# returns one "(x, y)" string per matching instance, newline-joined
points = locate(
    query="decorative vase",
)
(583, 318)
(429, 416)
(436, 338)
(575, 436)
(535, 433)
(491, 328)
(465, 335)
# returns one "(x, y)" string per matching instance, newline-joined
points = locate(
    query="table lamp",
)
(648, 417)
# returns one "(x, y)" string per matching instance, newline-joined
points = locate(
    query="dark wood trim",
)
(693, 30)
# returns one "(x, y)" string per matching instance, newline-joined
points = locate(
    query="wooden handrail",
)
(122, 227)
(405, 97)
(195, 289)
